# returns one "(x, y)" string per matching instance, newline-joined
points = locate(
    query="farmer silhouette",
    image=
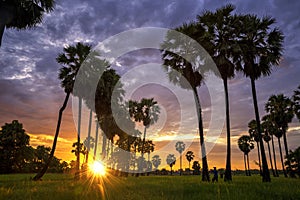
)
(215, 172)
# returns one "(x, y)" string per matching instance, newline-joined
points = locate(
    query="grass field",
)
(62, 186)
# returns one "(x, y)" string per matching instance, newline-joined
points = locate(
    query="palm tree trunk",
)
(143, 142)
(171, 171)
(89, 136)
(96, 140)
(281, 158)
(61, 110)
(189, 165)
(246, 170)
(285, 143)
(259, 162)
(180, 164)
(228, 176)
(266, 174)
(77, 174)
(205, 174)
(103, 152)
(274, 156)
(248, 165)
(270, 157)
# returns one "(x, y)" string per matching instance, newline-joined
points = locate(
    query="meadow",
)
(63, 186)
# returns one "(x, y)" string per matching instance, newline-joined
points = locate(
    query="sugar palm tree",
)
(146, 111)
(180, 147)
(245, 144)
(268, 130)
(252, 125)
(23, 14)
(189, 156)
(216, 32)
(171, 160)
(71, 60)
(281, 112)
(261, 48)
(156, 161)
(296, 101)
(96, 139)
(173, 64)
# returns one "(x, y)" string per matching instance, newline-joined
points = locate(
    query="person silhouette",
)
(215, 172)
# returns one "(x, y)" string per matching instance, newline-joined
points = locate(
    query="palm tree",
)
(180, 147)
(89, 143)
(23, 14)
(268, 130)
(173, 64)
(260, 48)
(281, 112)
(171, 160)
(189, 156)
(245, 144)
(71, 60)
(96, 140)
(156, 161)
(252, 125)
(296, 101)
(279, 134)
(145, 111)
(217, 34)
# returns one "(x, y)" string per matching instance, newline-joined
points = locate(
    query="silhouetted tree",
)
(14, 143)
(296, 101)
(22, 14)
(196, 168)
(260, 49)
(245, 144)
(293, 163)
(268, 129)
(71, 60)
(189, 156)
(252, 125)
(156, 161)
(180, 147)
(171, 160)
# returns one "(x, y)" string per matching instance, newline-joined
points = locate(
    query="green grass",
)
(59, 186)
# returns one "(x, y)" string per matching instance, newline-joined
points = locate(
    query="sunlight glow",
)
(98, 168)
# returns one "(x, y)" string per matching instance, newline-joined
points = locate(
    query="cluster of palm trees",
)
(280, 111)
(237, 43)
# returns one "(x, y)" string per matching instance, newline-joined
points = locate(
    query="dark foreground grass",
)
(59, 186)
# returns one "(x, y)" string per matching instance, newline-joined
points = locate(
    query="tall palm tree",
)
(71, 60)
(180, 147)
(281, 112)
(96, 139)
(296, 101)
(146, 111)
(173, 64)
(171, 160)
(23, 14)
(245, 144)
(156, 161)
(260, 48)
(268, 130)
(216, 32)
(189, 156)
(252, 125)
(279, 134)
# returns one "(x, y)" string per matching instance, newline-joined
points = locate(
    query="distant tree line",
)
(17, 156)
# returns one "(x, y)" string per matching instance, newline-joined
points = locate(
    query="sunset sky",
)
(31, 93)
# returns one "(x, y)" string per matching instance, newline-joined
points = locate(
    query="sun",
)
(98, 168)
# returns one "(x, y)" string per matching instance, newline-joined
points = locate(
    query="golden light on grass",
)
(98, 168)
